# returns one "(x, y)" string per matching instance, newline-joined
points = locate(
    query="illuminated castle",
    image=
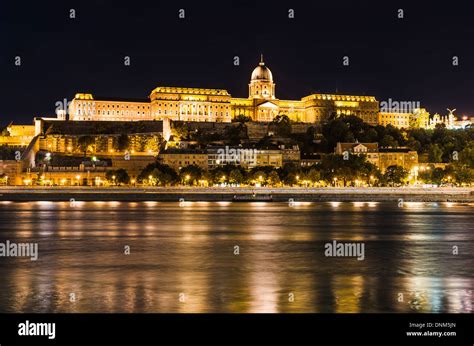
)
(217, 105)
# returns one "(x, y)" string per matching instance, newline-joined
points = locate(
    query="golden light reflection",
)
(348, 292)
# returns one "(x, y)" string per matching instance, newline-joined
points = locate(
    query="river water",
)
(237, 257)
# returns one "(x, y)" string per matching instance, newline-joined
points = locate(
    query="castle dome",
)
(261, 72)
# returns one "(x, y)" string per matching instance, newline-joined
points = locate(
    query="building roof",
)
(351, 146)
(262, 72)
(122, 99)
(182, 90)
(85, 96)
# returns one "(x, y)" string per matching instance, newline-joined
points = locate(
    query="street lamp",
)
(415, 173)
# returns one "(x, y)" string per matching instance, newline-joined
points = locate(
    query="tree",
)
(179, 131)
(282, 125)
(466, 156)
(395, 175)
(463, 175)
(388, 141)
(435, 153)
(273, 179)
(85, 144)
(242, 118)
(259, 177)
(289, 173)
(437, 175)
(123, 142)
(313, 176)
(118, 177)
(236, 177)
(160, 174)
(190, 174)
(234, 133)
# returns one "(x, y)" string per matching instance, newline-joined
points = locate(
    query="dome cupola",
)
(261, 82)
(261, 72)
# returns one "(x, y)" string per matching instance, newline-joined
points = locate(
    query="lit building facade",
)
(398, 120)
(179, 158)
(17, 135)
(419, 118)
(217, 105)
(381, 157)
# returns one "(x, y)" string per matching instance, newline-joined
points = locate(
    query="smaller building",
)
(231, 155)
(247, 157)
(179, 158)
(290, 154)
(133, 164)
(370, 150)
(380, 157)
(10, 172)
(403, 157)
(17, 135)
(310, 159)
(269, 157)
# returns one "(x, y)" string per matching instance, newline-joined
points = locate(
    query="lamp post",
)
(415, 173)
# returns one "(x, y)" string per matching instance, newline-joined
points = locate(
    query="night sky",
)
(406, 59)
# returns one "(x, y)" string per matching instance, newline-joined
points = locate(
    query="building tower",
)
(261, 83)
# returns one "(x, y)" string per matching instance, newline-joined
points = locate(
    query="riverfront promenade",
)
(170, 194)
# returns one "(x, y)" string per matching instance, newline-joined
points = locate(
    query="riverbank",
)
(176, 194)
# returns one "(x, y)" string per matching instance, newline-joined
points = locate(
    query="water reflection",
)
(183, 258)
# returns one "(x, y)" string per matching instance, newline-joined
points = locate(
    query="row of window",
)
(193, 106)
(107, 105)
(126, 113)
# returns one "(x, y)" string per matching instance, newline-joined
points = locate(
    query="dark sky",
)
(406, 59)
